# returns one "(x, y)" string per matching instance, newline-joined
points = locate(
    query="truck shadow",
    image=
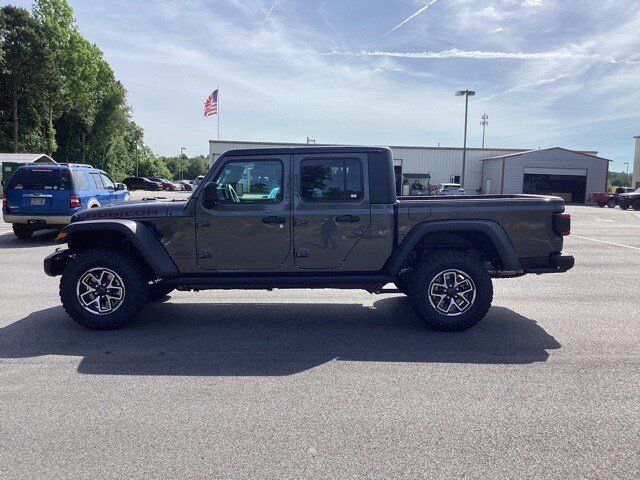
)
(272, 339)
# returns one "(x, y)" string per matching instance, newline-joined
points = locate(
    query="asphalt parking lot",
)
(330, 384)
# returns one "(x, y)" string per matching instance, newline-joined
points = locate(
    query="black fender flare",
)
(140, 236)
(492, 229)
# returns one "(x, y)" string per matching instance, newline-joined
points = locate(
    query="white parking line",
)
(604, 241)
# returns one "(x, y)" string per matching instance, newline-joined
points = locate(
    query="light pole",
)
(627, 164)
(466, 94)
(182, 149)
(484, 123)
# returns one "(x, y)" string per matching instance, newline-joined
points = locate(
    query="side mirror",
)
(121, 186)
(209, 195)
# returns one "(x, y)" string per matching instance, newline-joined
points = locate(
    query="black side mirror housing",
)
(209, 195)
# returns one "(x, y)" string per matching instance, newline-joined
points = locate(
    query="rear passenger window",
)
(80, 181)
(331, 179)
(97, 181)
(108, 183)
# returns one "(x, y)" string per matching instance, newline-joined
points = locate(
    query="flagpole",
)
(218, 112)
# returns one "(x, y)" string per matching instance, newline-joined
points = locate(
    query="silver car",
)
(450, 189)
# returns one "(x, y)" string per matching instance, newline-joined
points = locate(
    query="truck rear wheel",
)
(624, 205)
(611, 203)
(636, 205)
(22, 231)
(450, 290)
(103, 289)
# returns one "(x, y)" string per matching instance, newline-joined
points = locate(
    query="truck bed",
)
(527, 219)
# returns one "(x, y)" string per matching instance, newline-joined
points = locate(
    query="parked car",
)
(609, 199)
(450, 189)
(186, 185)
(166, 184)
(198, 180)
(42, 196)
(631, 199)
(339, 224)
(141, 183)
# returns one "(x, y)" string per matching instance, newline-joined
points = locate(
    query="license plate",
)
(37, 201)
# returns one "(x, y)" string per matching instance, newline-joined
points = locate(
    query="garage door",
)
(568, 183)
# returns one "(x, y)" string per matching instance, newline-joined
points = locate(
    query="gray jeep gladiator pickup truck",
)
(312, 217)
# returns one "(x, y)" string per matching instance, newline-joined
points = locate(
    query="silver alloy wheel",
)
(100, 291)
(452, 292)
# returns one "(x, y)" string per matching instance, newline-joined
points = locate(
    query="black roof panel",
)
(302, 150)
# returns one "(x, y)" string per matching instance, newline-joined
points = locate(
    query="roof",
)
(25, 158)
(512, 155)
(306, 149)
(305, 145)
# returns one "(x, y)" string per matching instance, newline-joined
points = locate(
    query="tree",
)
(619, 179)
(23, 66)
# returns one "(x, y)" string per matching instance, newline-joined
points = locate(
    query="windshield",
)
(41, 178)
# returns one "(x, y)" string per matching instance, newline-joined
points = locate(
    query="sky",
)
(546, 72)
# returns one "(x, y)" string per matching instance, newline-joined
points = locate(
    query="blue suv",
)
(41, 196)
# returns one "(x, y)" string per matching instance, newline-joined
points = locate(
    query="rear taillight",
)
(4, 200)
(562, 224)
(74, 200)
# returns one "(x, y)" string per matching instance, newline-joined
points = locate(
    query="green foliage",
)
(62, 97)
(619, 179)
(189, 167)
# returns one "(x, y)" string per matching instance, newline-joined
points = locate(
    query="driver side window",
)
(250, 182)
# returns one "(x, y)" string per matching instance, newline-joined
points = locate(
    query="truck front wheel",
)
(624, 205)
(450, 290)
(103, 289)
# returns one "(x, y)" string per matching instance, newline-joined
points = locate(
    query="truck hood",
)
(132, 210)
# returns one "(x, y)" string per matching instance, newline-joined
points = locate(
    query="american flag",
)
(211, 104)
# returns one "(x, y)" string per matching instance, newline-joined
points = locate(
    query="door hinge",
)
(205, 253)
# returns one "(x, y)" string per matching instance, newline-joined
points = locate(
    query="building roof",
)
(417, 147)
(512, 155)
(26, 158)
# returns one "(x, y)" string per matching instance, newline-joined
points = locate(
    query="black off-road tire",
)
(22, 231)
(636, 205)
(158, 292)
(133, 278)
(611, 203)
(624, 205)
(429, 269)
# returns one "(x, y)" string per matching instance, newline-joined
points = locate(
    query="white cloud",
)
(532, 3)
(409, 18)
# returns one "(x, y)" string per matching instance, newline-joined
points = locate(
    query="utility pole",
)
(182, 149)
(627, 164)
(484, 123)
(135, 142)
(466, 94)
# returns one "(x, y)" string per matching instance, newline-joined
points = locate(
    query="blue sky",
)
(547, 72)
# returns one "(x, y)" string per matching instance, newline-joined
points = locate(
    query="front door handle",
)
(274, 219)
(348, 219)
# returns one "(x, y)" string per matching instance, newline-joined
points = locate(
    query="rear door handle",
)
(348, 219)
(274, 219)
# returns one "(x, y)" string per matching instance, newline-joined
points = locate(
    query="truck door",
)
(331, 207)
(249, 227)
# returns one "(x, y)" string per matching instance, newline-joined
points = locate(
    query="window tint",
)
(250, 182)
(41, 178)
(108, 183)
(331, 179)
(98, 181)
(80, 181)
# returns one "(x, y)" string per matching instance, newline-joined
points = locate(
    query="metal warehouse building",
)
(553, 171)
(437, 165)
